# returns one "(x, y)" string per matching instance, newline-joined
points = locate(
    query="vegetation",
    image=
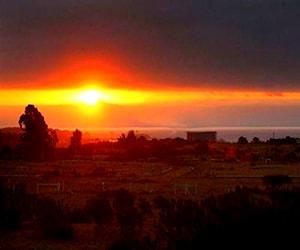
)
(276, 180)
(75, 142)
(38, 142)
(255, 216)
(144, 220)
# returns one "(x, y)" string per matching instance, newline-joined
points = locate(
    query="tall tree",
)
(75, 141)
(37, 140)
(128, 141)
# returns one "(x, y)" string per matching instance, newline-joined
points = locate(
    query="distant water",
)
(229, 134)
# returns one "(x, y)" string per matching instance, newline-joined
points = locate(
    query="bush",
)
(53, 219)
(276, 180)
(11, 219)
(100, 210)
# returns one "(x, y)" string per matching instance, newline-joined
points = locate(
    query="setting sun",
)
(90, 97)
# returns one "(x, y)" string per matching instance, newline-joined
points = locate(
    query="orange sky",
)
(76, 94)
(95, 107)
(150, 63)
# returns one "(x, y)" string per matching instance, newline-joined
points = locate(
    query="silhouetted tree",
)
(255, 140)
(276, 180)
(131, 137)
(128, 140)
(130, 145)
(242, 140)
(37, 140)
(75, 141)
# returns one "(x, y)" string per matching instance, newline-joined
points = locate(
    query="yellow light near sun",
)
(125, 96)
(90, 97)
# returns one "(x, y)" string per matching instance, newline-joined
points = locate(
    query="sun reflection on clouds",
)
(93, 96)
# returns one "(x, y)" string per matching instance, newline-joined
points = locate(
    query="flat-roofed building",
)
(210, 136)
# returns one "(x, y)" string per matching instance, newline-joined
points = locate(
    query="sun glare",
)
(90, 97)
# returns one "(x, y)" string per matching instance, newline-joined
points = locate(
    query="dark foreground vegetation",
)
(242, 216)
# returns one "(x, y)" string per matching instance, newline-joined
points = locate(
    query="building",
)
(210, 136)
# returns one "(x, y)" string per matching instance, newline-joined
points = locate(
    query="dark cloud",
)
(209, 43)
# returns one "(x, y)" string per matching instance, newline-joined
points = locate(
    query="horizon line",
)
(169, 127)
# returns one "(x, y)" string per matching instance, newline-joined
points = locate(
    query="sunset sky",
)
(137, 63)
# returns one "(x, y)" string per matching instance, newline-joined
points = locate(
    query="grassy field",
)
(76, 181)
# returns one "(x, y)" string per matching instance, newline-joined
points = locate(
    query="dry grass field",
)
(75, 181)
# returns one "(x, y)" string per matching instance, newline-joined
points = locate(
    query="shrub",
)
(276, 180)
(100, 210)
(53, 219)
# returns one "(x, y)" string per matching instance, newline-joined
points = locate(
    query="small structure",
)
(208, 136)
